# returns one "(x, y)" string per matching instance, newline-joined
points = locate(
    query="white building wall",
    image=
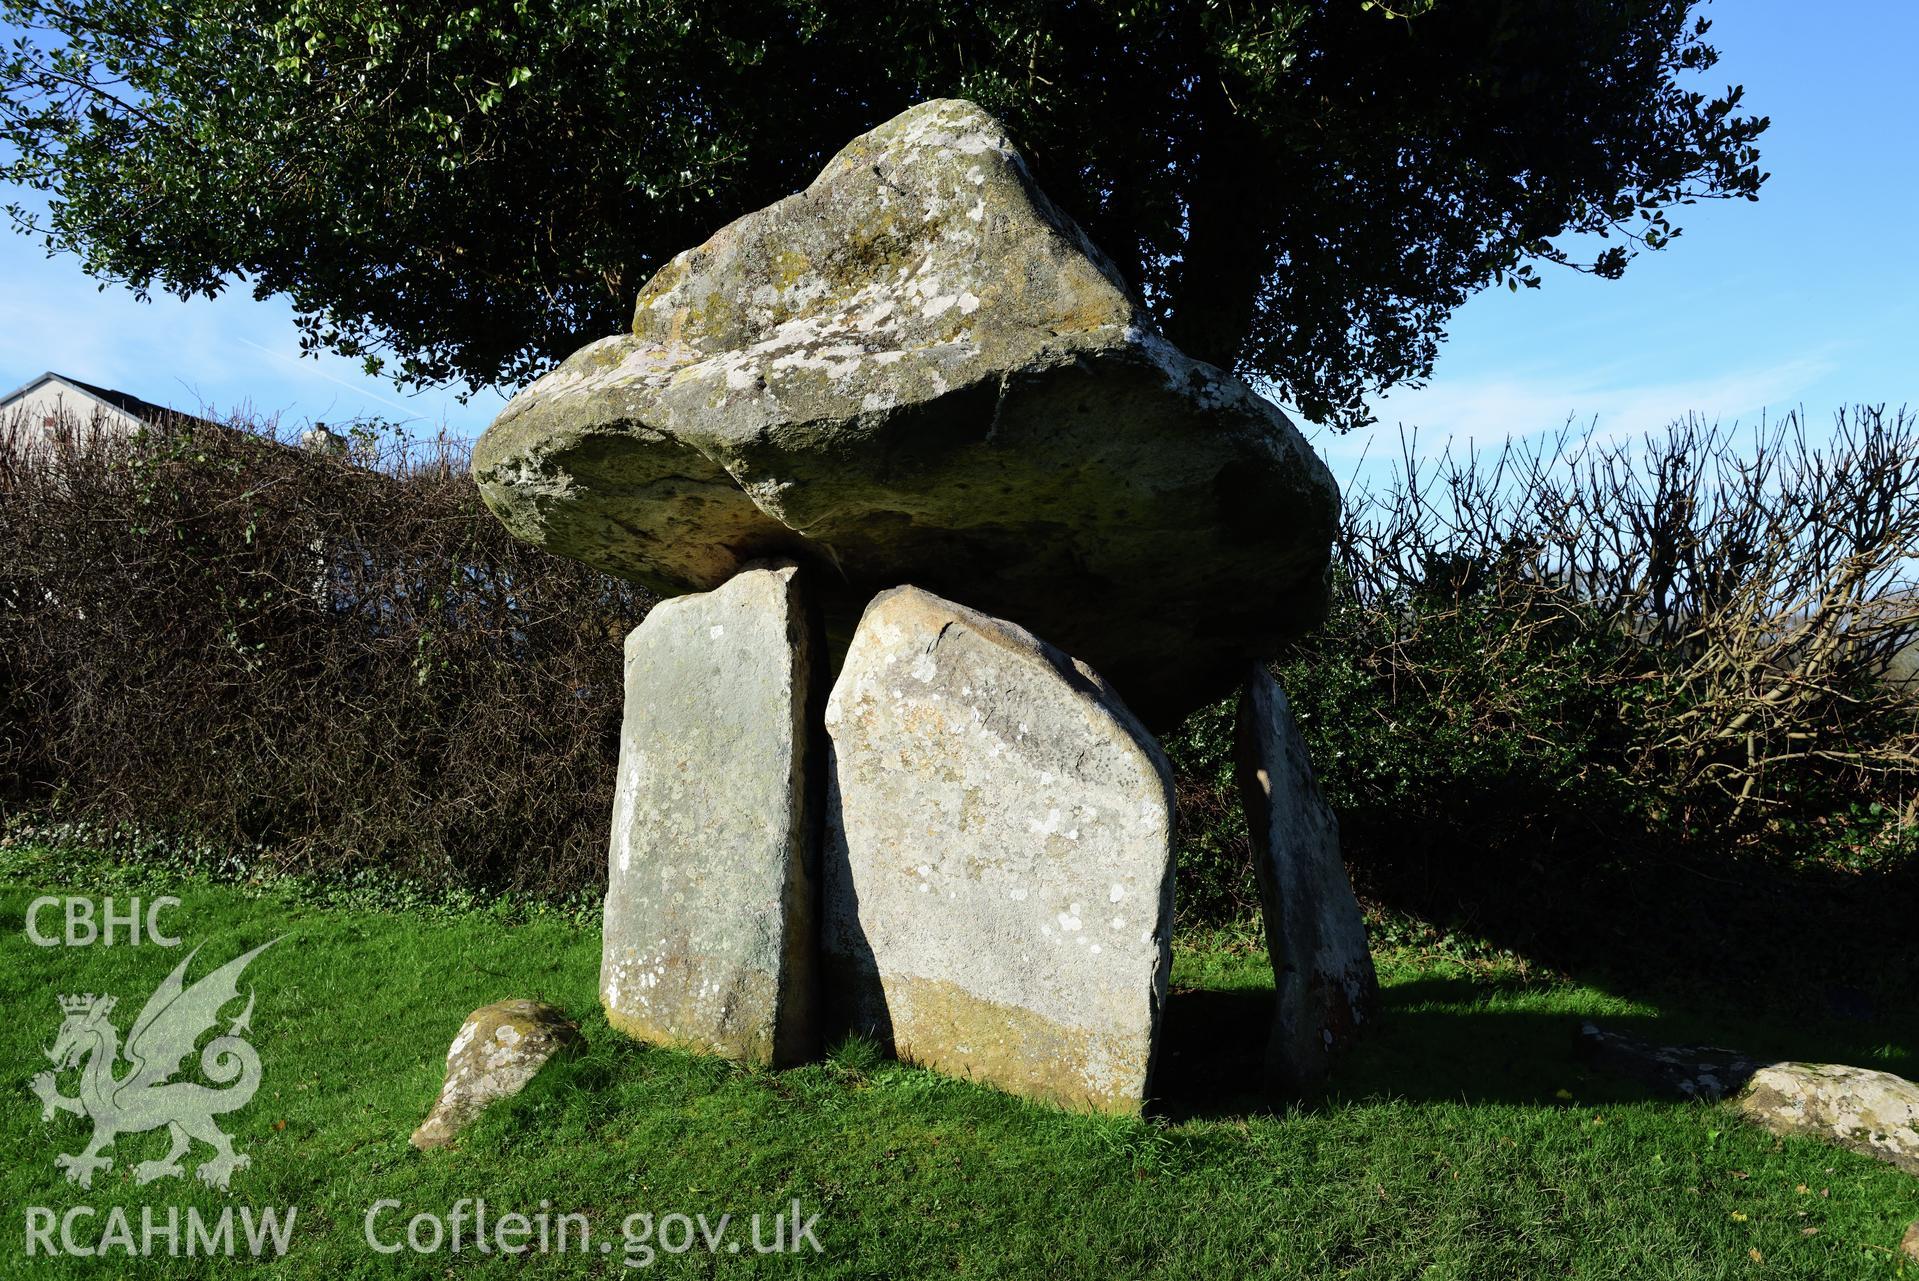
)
(42, 408)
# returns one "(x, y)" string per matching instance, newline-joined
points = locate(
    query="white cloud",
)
(1488, 410)
(1482, 412)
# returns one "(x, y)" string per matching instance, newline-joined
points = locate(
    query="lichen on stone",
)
(919, 369)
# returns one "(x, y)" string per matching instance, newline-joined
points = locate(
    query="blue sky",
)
(1809, 297)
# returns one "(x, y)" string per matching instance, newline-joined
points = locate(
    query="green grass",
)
(1463, 1140)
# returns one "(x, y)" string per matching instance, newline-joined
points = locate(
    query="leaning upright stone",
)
(1322, 970)
(998, 864)
(710, 928)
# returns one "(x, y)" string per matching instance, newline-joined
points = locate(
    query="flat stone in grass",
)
(500, 1047)
(1323, 977)
(998, 860)
(1704, 1072)
(709, 929)
(1876, 1113)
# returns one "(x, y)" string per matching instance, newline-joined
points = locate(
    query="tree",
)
(1302, 190)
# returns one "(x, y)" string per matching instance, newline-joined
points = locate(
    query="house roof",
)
(126, 403)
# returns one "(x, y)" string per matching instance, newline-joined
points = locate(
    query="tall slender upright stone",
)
(998, 869)
(710, 931)
(1325, 986)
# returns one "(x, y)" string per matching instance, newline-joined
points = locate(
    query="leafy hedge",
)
(1574, 655)
(343, 663)
(338, 659)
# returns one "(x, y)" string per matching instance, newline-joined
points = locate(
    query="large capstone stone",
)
(919, 370)
(1323, 978)
(498, 1050)
(710, 925)
(998, 865)
(1875, 1113)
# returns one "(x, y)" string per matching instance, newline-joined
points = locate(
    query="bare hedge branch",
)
(1766, 585)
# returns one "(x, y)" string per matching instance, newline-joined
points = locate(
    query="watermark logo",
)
(85, 926)
(131, 1089)
(471, 1227)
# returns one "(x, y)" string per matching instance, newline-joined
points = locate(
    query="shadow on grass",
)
(1591, 893)
(1467, 1040)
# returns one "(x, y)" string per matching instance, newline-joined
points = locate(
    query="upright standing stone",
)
(1322, 970)
(998, 873)
(710, 925)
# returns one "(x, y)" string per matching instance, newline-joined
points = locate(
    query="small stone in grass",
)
(499, 1049)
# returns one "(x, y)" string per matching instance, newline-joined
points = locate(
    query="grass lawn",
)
(1462, 1142)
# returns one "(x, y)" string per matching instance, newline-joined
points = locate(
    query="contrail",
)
(338, 382)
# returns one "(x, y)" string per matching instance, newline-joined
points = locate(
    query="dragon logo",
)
(144, 1097)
